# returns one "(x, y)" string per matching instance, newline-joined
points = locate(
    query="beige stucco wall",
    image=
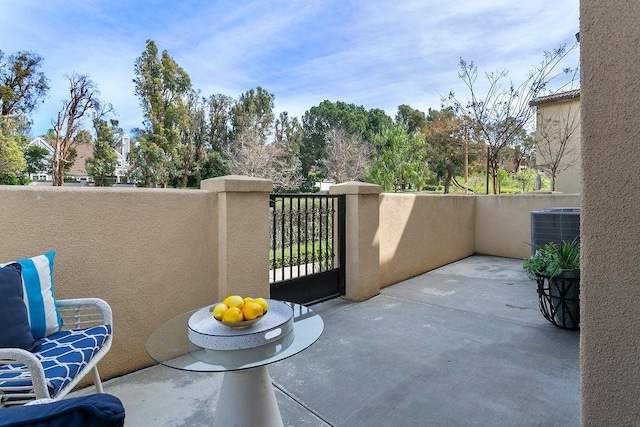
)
(503, 223)
(561, 119)
(420, 232)
(242, 234)
(149, 253)
(610, 234)
(362, 241)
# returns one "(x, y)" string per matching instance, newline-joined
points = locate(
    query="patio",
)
(464, 344)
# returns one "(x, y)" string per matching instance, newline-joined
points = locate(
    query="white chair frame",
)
(76, 313)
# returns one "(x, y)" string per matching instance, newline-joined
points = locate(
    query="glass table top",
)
(169, 345)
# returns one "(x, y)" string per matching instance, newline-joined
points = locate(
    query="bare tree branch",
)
(503, 111)
(348, 156)
(83, 96)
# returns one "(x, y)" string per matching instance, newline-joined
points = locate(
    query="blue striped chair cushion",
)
(64, 354)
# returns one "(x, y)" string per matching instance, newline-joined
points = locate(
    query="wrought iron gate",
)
(307, 247)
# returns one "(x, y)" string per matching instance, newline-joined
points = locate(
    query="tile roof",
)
(561, 96)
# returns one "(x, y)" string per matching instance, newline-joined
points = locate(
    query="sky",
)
(374, 53)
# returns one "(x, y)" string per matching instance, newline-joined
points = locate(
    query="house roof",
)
(41, 142)
(556, 97)
(85, 151)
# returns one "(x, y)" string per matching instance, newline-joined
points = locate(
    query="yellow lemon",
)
(234, 301)
(252, 311)
(262, 303)
(248, 299)
(232, 315)
(219, 310)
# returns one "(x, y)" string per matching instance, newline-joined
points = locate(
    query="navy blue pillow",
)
(95, 410)
(15, 331)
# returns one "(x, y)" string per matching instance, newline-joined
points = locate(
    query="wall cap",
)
(237, 184)
(355, 187)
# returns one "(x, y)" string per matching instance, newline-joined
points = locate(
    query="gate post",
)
(242, 234)
(362, 263)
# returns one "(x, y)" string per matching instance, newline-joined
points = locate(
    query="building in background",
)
(558, 139)
(78, 170)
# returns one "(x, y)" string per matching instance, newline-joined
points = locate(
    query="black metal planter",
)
(560, 299)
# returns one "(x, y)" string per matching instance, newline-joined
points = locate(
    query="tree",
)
(12, 162)
(502, 110)
(102, 165)
(526, 178)
(220, 122)
(289, 132)
(348, 156)
(212, 165)
(318, 120)
(400, 163)
(254, 110)
(555, 140)
(351, 118)
(251, 156)
(162, 87)
(193, 135)
(150, 162)
(83, 97)
(104, 161)
(36, 158)
(22, 85)
(414, 121)
(285, 168)
(288, 139)
(443, 130)
(377, 122)
(523, 147)
(502, 176)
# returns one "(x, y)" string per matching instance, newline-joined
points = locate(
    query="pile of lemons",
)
(234, 309)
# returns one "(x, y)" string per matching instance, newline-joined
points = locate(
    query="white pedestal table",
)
(247, 397)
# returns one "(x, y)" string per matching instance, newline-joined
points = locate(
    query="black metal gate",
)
(307, 247)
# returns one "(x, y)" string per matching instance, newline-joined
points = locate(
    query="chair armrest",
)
(84, 312)
(25, 363)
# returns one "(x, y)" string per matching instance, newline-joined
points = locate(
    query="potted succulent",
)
(556, 267)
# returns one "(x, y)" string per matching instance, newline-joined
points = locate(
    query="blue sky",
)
(374, 53)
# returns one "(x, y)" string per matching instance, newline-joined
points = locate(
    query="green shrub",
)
(300, 255)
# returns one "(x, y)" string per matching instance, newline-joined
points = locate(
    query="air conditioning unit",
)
(554, 225)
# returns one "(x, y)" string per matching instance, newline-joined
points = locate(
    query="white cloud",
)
(374, 53)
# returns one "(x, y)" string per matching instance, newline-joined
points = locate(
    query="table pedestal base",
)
(247, 399)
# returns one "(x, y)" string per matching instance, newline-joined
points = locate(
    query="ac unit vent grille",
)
(554, 225)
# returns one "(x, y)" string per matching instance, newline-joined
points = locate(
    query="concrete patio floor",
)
(463, 345)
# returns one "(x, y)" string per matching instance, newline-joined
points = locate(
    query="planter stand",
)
(560, 299)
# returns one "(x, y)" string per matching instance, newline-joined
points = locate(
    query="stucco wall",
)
(421, 232)
(153, 254)
(503, 223)
(149, 253)
(556, 121)
(610, 284)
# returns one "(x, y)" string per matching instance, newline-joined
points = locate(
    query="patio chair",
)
(65, 357)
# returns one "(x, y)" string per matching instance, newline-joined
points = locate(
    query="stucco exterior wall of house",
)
(503, 224)
(610, 234)
(150, 253)
(421, 232)
(561, 120)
